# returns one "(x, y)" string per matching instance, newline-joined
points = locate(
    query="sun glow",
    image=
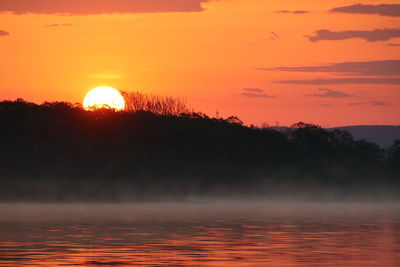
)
(104, 97)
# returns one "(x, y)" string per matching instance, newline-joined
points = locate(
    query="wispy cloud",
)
(392, 10)
(4, 33)
(370, 36)
(274, 36)
(330, 93)
(257, 90)
(360, 68)
(59, 25)
(90, 7)
(393, 44)
(293, 11)
(392, 81)
(371, 103)
(371, 72)
(255, 93)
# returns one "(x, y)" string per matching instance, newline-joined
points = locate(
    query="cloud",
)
(393, 44)
(370, 36)
(59, 25)
(274, 36)
(371, 72)
(91, 7)
(293, 11)
(255, 93)
(392, 10)
(392, 81)
(372, 103)
(331, 93)
(4, 33)
(360, 68)
(257, 90)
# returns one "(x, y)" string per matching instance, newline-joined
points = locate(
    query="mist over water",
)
(200, 234)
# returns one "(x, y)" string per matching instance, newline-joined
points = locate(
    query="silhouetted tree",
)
(311, 139)
(165, 105)
(393, 159)
(235, 120)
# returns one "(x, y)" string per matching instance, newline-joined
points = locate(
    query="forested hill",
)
(383, 135)
(60, 152)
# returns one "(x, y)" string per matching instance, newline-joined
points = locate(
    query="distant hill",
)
(383, 135)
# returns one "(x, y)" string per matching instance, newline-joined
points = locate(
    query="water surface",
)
(203, 234)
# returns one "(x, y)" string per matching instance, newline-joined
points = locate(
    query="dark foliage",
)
(393, 159)
(59, 152)
(163, 105)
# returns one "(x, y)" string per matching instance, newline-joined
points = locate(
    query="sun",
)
(104, 97)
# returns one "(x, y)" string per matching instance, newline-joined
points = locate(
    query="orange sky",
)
(228, 55)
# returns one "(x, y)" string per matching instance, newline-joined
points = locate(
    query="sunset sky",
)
(334, 62)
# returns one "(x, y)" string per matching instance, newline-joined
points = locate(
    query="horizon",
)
(168, 106)
(227, 116)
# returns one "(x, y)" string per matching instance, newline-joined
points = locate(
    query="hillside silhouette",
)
(60, 152)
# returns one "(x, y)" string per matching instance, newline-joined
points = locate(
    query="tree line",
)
(60, 152)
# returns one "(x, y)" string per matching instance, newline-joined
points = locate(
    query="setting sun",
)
(104, 97)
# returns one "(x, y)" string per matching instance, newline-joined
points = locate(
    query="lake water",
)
(202, 234)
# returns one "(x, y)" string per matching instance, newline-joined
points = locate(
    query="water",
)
(203, 234)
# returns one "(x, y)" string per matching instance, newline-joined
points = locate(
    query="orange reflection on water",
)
(201, 235)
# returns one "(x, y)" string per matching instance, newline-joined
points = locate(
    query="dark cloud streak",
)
(391, 10)
(330, 94)
(91, 7)
(257, 90)
(370, 36)
(372, 103)
(274, 36)
(292, 11)
(392, 81)
(257, 95)
(361, 68)
(4, 33)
